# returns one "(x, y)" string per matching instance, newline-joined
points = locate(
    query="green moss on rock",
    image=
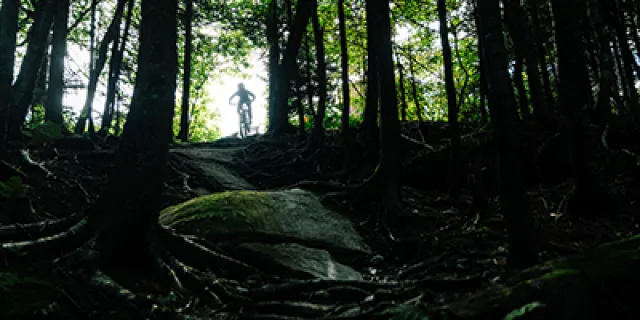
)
(215, 213)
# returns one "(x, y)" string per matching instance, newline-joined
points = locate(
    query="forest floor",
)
(454, 250)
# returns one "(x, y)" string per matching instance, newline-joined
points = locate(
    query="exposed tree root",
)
(46, 247)
(31, 231)
(204, 258)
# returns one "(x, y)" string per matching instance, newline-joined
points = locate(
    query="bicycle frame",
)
(245, 125)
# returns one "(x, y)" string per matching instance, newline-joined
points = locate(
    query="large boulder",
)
(285, 232)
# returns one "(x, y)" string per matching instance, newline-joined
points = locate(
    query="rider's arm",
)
(231, 98)
(253, 96)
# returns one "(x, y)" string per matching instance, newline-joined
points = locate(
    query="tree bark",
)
(287, 67)
(28, 75)
(317, 135)
(520, 29)
(513, 197)
(128, 208)
(346, 97)
(186, 80)
(370, 121)
(452, 104)
(8, 31)
(53, 104)
(115, 66)
(109, 36)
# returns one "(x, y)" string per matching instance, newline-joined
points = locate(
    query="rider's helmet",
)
(240, 86)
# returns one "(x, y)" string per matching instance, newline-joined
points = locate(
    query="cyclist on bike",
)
(245, 97)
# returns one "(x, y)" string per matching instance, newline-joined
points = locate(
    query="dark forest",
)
(460, 159)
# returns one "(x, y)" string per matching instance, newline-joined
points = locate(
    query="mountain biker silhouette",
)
(245, 97)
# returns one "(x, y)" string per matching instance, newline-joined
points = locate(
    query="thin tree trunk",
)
(110, 35)
(317, 135)
(513, 197)
(523, 100)
(414, 89)
(8, 37)
(28, 75)
(274, 60)
(186, 80)
(115, 65)
(53, 104)
(602, 112)
(575, 96)
(346, 97)
(287, 68)
(403, 96)
(520, 29)
(370, 121)
(540, 51)
(452, 107)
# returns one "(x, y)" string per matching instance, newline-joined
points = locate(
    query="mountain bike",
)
(245, 122)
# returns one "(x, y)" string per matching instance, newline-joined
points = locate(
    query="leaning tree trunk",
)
(513, 196)
(109, 36)
(129, 206)
(8, 30)
(183, 134)
(28, 75)
(115, 65)
(317, 135)
(452, 104)
(53, 104)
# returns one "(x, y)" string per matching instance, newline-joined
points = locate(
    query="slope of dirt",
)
(434, 252)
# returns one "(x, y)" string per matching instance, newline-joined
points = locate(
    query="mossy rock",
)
(598, 284)
(310, 238)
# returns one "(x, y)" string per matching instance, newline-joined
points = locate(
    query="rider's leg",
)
(249, 110)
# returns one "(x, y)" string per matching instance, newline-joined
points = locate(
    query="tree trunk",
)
(523, 100)
(414, 89)
(520, 29)
(540, 51)
(53, 104)
(575, 96)
(129, 206)
(346, 97)
(317, 135)
(513, 197)
(274, 60)
(452, 104)
(370, 121)
(602, 111)
(8, 31)
(28, 75)
(403, 96)
(186, 80)
(287, 68)
(115, 65)
(109, 36)
(389, 163)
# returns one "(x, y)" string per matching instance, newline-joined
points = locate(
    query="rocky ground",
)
(436, 251)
